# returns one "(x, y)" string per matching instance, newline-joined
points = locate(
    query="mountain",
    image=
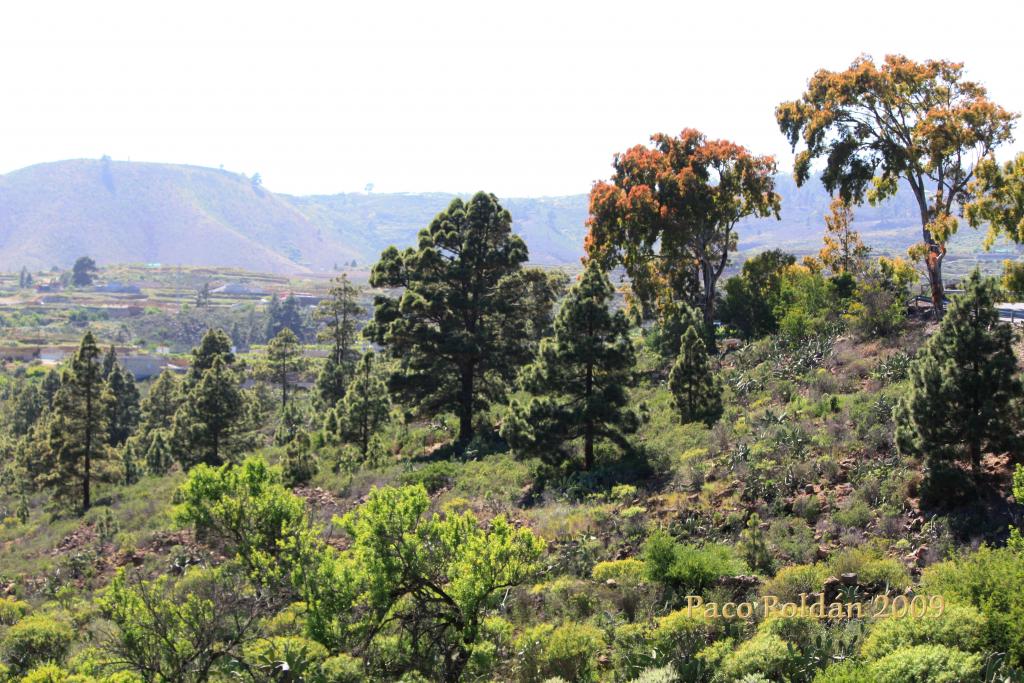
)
(132, 212)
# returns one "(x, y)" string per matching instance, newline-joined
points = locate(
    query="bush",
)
(801, 629)
(680, 636)
(871, 568)
(926, 664)
(342, 668)
(34, 640)
(302, 655)
(630, 570)
(434, 476)
(51, 673)
(11, 611)
(844, 672)
(688, 568)
(665, 674)
(992, 580)
(765, 653)
(795, 579)
(565, 652)
(857, 515)
(960, 626)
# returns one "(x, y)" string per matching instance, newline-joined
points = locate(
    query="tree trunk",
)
(466, 407)
(588, 425)
(87, 474)
(708, 306)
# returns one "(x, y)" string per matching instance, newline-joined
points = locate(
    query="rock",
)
(822, 552)
(831, 588)
(917, 557)
(809, 488)
(848, 579)
(611, 583)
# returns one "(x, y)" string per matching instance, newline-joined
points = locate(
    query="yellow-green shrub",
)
(926, 664)
(630, 570)
(34, 640)
(11, 610)
(791, 581)
(960, 626)
(765, 653)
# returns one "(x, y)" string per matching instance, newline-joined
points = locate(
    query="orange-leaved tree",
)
(669, 212)
(917, 121)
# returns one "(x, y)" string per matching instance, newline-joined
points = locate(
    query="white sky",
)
(519, 98)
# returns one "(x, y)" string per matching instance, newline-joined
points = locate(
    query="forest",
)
(661, 466)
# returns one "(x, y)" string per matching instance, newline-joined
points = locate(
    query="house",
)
(238, 289)
(119, 288)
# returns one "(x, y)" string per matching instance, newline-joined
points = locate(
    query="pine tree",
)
(676, 319)
(123, 410)
(214, 344)
(339, 313)
(965, 392)
(695, 392)
(77, 436)
(208, 417)
(365, 406)
(158, 408)
(452, 328)
(159, 455)
(284, 314)
(282, 359)
(579, 379)
(109, 361)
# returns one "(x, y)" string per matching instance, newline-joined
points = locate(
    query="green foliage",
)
(688, 569)
(283, 359)
(965, 393)
(765, 653)
(992, 580)
(630, 570)
(248, 512)
(795, 579)
(695, 391)
(753, 546)
(879, 308)
(676, 318)
(83, 272)
(209, 417)
(959, 626)
(339, 313)
(185, 631)
(365, 407)
(568, 652)
(926, 664)
(579, 379)
(454, 327)
(752, 297)
(77, 434)
(12, 610)
(35, 639)
(123, 407)
(433, 576)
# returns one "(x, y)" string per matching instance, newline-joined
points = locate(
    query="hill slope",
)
(121, 212)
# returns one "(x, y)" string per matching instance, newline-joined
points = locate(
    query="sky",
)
(518, 98)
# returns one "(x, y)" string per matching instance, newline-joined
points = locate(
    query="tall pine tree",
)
(339, 314)
(208, 417)
(123, 410)
(452, 329)
(77, 436)
(695, 392)
(365, 406)
(579, 379)
(283, 359)
(965, 392)
(214, 344)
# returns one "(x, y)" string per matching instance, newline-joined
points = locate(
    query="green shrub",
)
(795, 579)
(857, 514)
(630, 570)
(11, 610)
(801, 629)
(793, 539)
(434, 476)
(871, 568)
(765, 653)
(926, 664)
(571, 652)
(844, 672)
(688, 568)
(960, 626)
(342, 668)
(302, 655)
(34, 640)
(991, 580)
(680, 636)
(51, 673)
(665, 674)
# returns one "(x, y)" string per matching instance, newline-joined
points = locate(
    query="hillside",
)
(132, 212)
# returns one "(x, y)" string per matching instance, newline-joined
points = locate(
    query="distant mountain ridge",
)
(136, 212)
